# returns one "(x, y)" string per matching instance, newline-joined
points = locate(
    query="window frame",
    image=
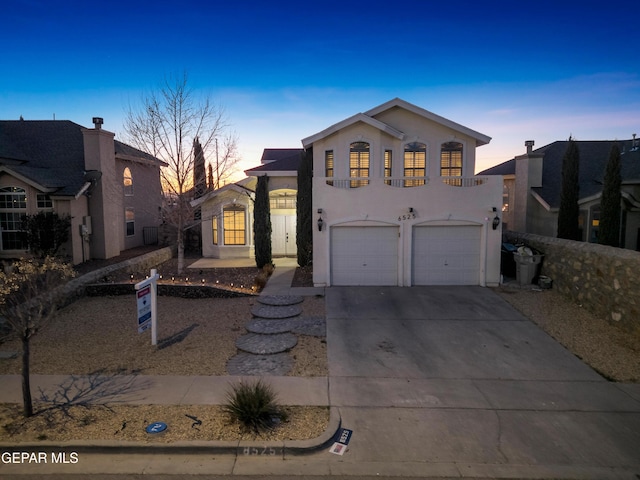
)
(13, 206)
(329, 165)
(234, 236)
(359, 163)
(447, 157)
(411, 164)
(387, 165)
(130, 221)
(127, 182)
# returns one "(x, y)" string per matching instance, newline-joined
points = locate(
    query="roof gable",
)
(359, 117)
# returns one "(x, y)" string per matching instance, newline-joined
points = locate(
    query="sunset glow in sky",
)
(285, 70)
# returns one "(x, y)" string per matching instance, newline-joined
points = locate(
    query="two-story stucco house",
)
(397, 202)
(111, 191)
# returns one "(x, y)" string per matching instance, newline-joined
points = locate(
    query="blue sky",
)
(285, 70)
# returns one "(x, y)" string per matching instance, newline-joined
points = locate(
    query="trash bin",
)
(527, 264)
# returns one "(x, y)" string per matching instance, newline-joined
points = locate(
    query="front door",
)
(283, 235)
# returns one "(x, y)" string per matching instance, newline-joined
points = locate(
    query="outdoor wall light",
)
(410, 209)
(496, 219)
(320, 224)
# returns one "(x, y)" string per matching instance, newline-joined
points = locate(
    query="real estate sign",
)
(146, 295)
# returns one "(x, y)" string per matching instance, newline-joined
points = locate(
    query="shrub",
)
(254, 406)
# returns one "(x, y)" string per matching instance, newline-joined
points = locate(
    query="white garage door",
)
(364, 256)
(446, 255)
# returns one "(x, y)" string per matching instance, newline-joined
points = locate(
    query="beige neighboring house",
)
(111, 190)
(227, 213)
(396, 202)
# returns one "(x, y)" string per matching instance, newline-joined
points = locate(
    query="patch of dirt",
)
(607, 348)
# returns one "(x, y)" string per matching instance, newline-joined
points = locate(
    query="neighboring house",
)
(227, 213)
(111, 191)
(397, 203)
(533, 185)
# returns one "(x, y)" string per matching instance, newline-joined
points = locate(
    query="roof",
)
(50, 153)
(594, 155)
(368, 117)
(277, 160)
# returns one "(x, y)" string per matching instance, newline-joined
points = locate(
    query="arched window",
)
(13, 205)
(451, 161)
(359, 164)
(415, 163)
(128, 182)
(234, 225)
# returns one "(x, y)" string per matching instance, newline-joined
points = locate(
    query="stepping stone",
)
(312, 326)
(249, 364)
(271, 326)
(280, 300)
(270, 311)
(266, 344)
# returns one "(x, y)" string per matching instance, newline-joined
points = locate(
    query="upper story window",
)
(505, 198)
(328, 166)
(128, 182)
(451, 162)
(13, 205)
(44, 201)
(388, 166)
(359, 164)
(234, 225)
(415, 163)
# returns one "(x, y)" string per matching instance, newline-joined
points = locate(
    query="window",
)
(415, 164)
(128, 182)
(505, 198)
(328, 166)
(214, 228)
(234, 225)
(388, 164)
(282, 201)
(13, 206)
(44, 201)
(130, 219)
(359, 164)
(451, 162)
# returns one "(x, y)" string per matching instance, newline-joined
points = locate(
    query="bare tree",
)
(27, 301)
(165, 124)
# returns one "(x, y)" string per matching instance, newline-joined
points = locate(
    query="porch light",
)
(320, 224)
(496, 219)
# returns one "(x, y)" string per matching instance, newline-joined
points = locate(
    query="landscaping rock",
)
(249, 364)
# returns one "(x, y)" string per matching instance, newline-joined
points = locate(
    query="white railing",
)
(401, 182)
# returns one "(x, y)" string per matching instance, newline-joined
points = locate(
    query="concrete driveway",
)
(454, 381)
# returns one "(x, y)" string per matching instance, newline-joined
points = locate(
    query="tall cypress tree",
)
(568, 216)
(304, 222)
(262, 223)
(609, 230)
(199, 171)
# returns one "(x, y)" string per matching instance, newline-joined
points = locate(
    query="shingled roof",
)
(278, 160)
(594, 155)
(50, 153)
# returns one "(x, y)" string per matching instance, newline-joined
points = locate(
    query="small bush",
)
(260, 281)
(268, 269)
(254, 406)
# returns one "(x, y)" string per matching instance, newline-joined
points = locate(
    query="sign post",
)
(147, 294)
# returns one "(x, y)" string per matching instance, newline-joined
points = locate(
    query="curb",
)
(281, 448)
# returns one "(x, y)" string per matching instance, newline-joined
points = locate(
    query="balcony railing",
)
(402, 182)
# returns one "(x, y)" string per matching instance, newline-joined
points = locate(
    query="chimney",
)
(529, 144)
(97, 122)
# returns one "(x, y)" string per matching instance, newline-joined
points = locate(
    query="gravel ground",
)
(197, 337)
(611, 351)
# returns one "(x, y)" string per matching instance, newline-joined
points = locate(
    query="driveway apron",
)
(456, 381)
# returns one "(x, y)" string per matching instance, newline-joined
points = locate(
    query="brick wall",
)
(605, 280)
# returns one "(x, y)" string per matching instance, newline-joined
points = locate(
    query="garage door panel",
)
(446, 255)
(364, 255)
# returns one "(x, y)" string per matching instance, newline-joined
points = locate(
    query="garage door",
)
(446, 255)
(364, 256)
